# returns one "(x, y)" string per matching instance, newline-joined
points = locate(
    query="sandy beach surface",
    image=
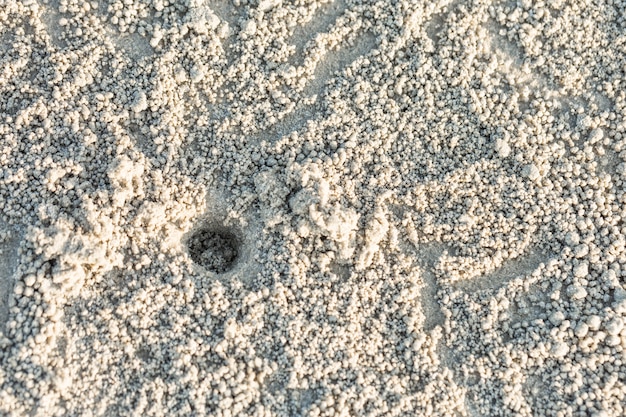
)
(313, 208)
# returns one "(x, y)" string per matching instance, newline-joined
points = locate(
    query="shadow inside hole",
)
(144, 353)
(215, 249)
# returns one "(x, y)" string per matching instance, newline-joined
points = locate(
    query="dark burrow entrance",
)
(215, 249)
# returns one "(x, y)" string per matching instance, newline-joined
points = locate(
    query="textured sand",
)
(312, 208)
